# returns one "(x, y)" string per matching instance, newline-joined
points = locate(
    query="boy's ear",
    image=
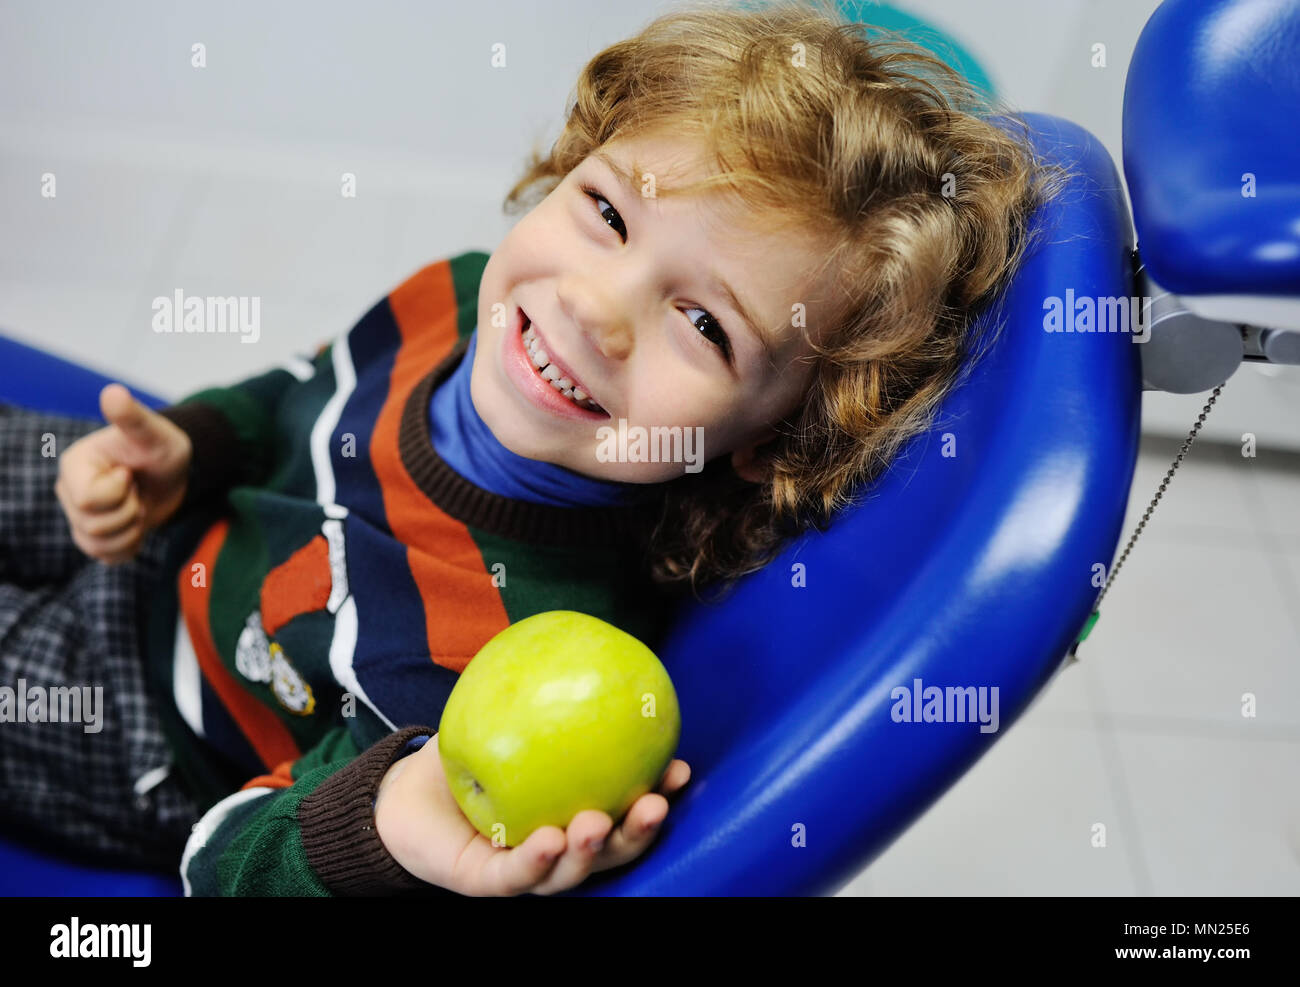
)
(744, 460)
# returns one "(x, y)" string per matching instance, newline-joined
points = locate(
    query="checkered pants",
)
(67, 620)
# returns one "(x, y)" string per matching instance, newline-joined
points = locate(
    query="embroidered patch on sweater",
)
(289, 687)
(260, 659)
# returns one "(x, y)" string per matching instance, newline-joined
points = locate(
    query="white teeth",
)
(551, 374)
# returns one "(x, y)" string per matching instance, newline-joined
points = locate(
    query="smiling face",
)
(625, 292)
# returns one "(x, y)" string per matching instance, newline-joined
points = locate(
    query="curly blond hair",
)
(821, 123)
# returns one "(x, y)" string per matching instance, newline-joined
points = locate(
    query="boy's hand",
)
(124, 479)
(418, 820)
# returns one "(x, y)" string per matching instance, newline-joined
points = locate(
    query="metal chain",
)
(1159, 493)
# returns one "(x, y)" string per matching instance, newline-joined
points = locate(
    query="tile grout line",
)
(1218, 536)
(1274, 554)
(1113, 763)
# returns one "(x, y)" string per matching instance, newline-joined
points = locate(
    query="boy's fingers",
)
(636, 832)
(677, 774)
(94, 488)
(116, 548)
(119, 407)
(579, 857)
(108, 489)
(104, 524)
(522, 868)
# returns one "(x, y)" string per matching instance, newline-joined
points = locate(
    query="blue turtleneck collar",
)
(468, 446)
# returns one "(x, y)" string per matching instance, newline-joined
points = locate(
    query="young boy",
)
(358, 573)
(784, 268)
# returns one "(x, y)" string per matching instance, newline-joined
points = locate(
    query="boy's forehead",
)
(656, 165)
(667, 156)
(674, 161)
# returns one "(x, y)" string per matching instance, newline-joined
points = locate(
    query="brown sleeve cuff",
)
(216, 460)
(337, 826)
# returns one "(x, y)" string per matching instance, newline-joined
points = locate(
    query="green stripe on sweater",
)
(267, 831)
(302, 406)
(532, 579)
(466, 275)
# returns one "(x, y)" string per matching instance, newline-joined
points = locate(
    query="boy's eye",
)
(596, 197)
(611, 216)
(722, 342)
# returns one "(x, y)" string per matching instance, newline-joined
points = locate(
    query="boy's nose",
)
(612, 339)
(601, 316)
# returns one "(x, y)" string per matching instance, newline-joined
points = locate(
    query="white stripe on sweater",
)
(210, 823)
(342, 648)
(345, 381)
(344, 607)
(300, 367)
(186, 679)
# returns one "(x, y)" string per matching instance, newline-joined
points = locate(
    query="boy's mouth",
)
(543, 364)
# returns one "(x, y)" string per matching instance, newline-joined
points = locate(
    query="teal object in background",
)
(922, 33)
(919, 32)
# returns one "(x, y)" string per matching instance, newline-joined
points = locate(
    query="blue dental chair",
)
(966, 570)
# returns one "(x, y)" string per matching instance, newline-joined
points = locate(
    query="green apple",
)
(558, 713)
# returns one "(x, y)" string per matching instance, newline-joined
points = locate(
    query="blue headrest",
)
(1210, 110)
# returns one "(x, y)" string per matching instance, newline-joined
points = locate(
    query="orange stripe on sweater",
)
(460, 614)
(281, 777)
(268, 736)
(299, 584)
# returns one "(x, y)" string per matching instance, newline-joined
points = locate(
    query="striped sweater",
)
(333, 577)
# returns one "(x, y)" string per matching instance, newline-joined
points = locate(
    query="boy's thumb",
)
(120, 408)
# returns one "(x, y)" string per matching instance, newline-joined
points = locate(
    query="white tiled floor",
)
(1144, 737)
